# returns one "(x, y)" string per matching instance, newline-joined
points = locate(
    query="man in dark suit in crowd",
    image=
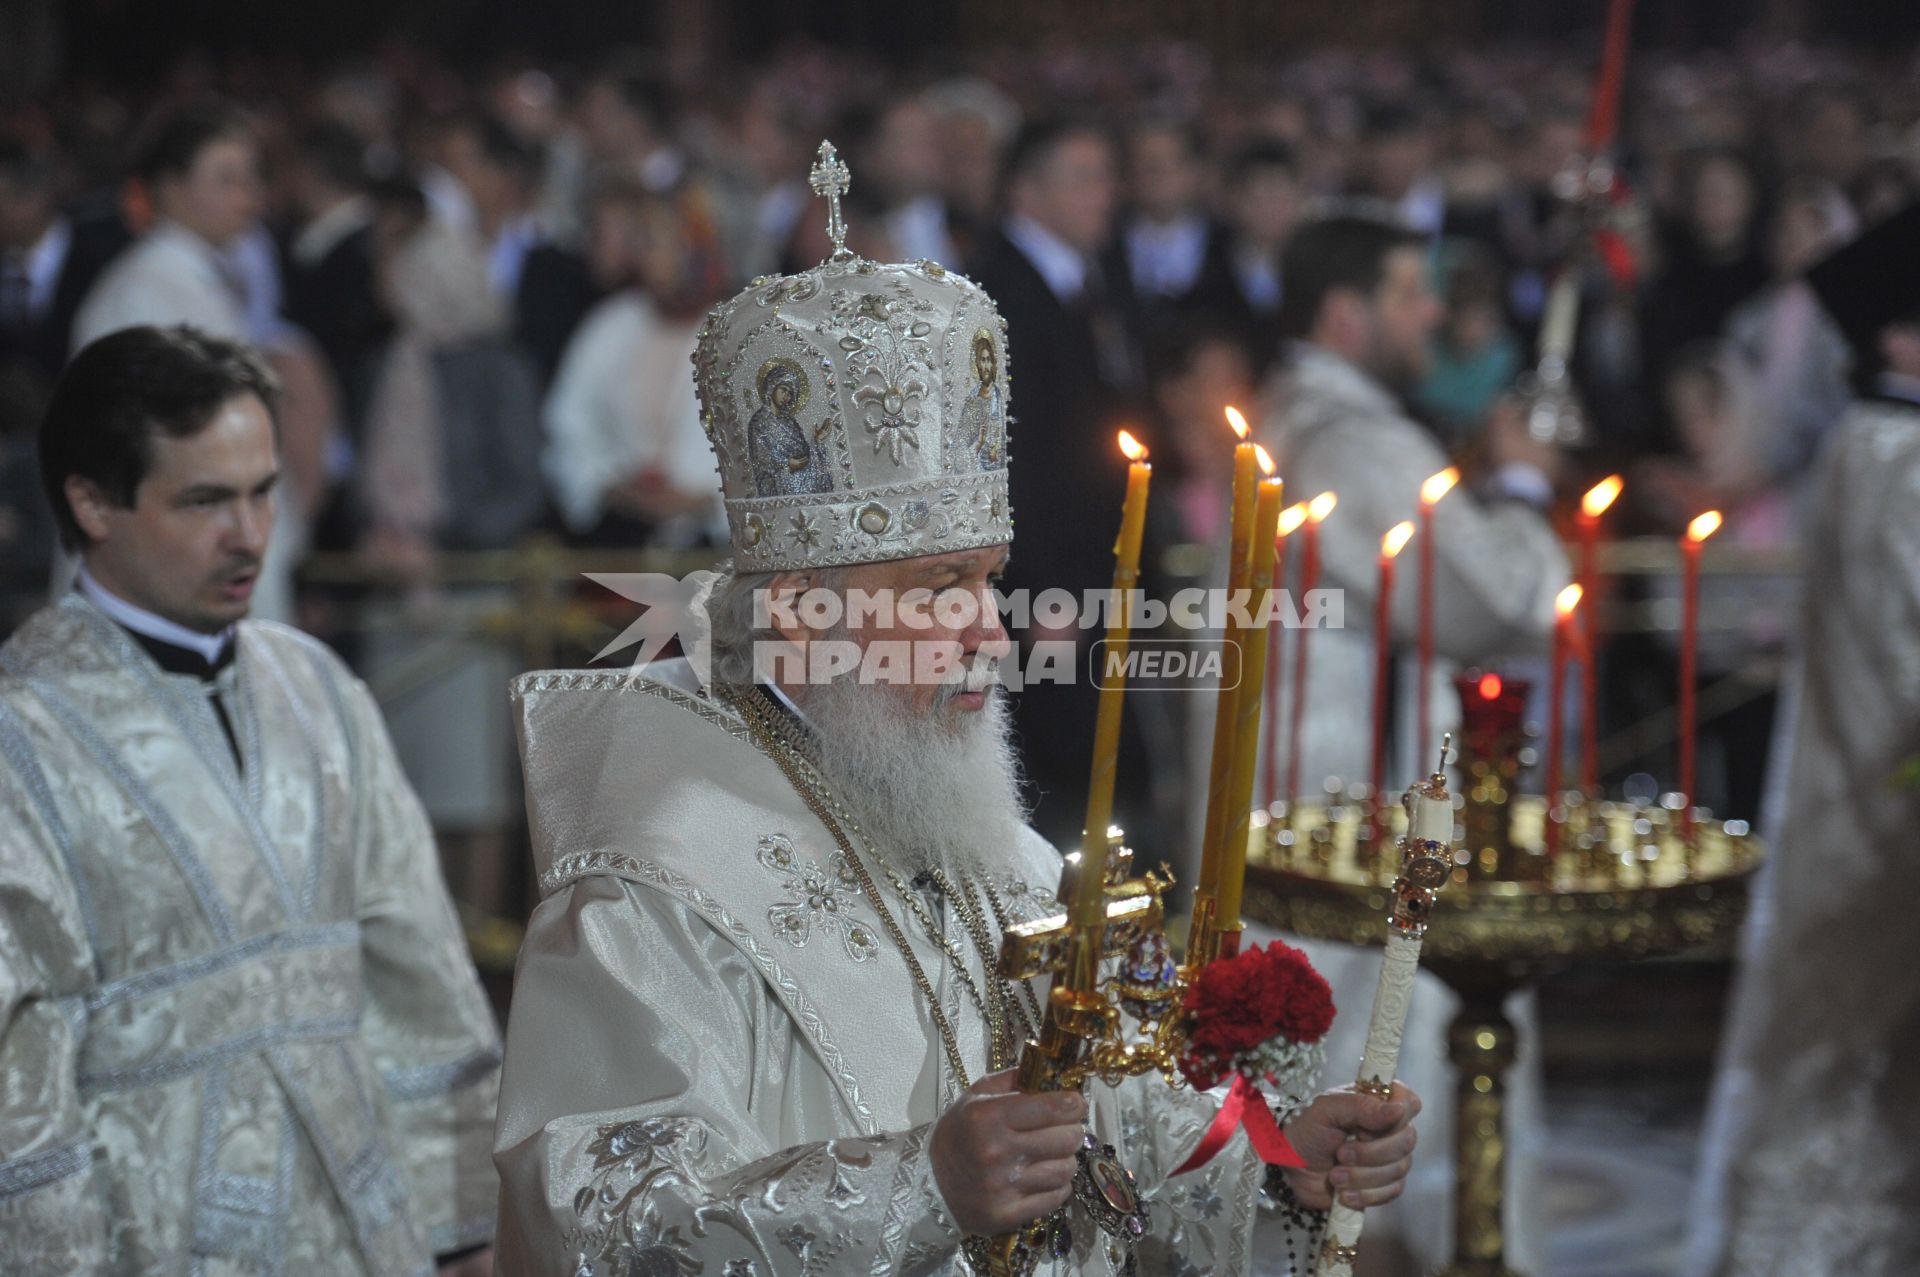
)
(1240, 285)
(331, 291)
(1078, 377)
(48, 261)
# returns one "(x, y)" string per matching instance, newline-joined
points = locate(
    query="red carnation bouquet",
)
(1261, 1015)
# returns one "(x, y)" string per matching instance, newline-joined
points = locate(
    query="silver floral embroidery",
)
(619, 1227)
(826, 898)
(887, 348)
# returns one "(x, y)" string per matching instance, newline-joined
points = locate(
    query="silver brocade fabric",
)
(709, 1072)
(239, 1028)
(1824, 1031)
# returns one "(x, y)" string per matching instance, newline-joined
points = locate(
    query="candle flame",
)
(1292, 517)
(1135, 450)
(1397, 537)
(1265, 459)
(1439, 485)
(1238, 422)
(1490, 686)
(1601, 495)
(1567, 600)
(1703, 526)
(1322, 506)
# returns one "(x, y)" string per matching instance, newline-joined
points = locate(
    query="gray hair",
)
(732, 608)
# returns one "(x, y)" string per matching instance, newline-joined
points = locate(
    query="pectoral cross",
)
(830, 179)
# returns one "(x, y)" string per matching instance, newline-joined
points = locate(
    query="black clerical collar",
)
(174, 647)
(181, 660)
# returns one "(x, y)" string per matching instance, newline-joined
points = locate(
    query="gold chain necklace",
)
(768, 735)
(1005, 923)
(1003, 1049)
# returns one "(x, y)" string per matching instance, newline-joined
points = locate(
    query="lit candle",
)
(1565, 604)
(1290, 520)
(1089, 901)
(1390, 546)
(1702, 527)
(1594, 504)
(1246, 732)
(1317, 511)
(1246, 475)
(1436, 487)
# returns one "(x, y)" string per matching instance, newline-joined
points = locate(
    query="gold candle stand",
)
(1626, 882)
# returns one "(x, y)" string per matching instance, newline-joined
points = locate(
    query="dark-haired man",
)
(241, 1031)
(1080, 378)
(1240, 285)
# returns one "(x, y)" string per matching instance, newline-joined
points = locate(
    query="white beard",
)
(932, 791)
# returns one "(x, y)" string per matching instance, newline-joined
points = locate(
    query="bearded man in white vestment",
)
(239, 1029)
(757, 1026)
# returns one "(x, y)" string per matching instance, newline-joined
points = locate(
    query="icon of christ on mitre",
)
(757, 1024)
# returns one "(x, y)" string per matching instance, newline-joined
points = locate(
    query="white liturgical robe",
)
(718, 1062)
(239, 1029)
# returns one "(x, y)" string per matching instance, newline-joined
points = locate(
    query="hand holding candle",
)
(1089, 902)
(1431, 492)
(1702, 527)
(1426, 863)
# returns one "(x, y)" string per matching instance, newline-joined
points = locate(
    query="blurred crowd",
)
(481, 291)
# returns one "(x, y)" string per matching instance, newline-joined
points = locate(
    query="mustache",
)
(980, 674)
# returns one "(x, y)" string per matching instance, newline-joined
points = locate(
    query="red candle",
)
(1390, 546)
(1290, 519)
(1435, 487)
(1317, 511)
(1605, 115)
(1564, 606)
(1592, 506)
(1702, 527)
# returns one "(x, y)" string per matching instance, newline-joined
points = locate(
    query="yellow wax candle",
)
(1246, 730)
(1239, 568)
(1089, 899)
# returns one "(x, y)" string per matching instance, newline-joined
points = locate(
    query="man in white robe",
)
(757, 1025)
(239, 1027)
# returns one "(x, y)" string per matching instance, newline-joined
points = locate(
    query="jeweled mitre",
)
(858, 411)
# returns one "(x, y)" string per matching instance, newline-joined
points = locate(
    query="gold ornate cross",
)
(830, 179)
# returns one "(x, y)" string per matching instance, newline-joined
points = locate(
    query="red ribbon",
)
(1244, 1106)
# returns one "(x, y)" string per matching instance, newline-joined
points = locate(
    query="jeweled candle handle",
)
(1426, 862)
